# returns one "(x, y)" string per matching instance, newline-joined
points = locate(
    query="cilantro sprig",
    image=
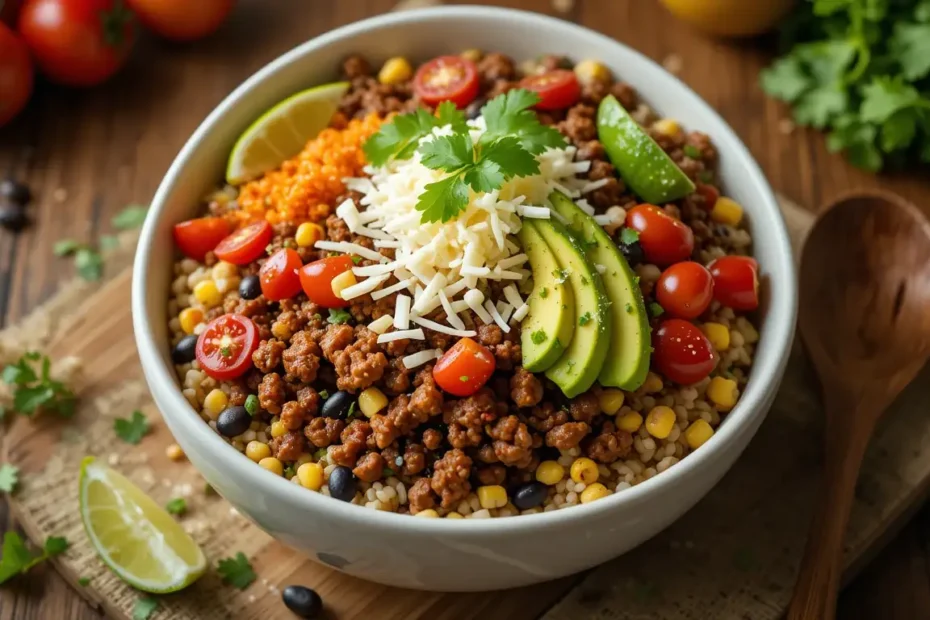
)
(507, 149)
(133, 429)
(36, 390)
(236, 571)
(18, 558)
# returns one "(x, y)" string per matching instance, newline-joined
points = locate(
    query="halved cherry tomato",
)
(682, 352)
(709, 193)
(685, 290)
(224, 349)
(447, 78)
(316, 278)
(246, 244)
(464, 368)
(557, 89)
(278, 276)
(665, 240)
(198, 236)
(736, 282)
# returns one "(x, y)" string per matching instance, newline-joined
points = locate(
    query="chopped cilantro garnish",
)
(585, 318)
(236, 571)
(561, 275)
(324, 394)
(338, 316)
(543, 292)
(356, 259)
(629, 308)
(225, 351)
(464, 378)
(251, 404)
(692, 151)
(132, 430)
(9, 477)
(656, 310)
(538, 337)
(177, 506)
(628, 236)
(584, 280)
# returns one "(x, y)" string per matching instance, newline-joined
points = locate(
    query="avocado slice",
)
(577, 368)
(550, 324)
(642, 163)
(628, 362)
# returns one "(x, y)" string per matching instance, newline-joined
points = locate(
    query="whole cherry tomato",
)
(246, 244)
(664, 239)
(224, 349)
(316, 278)
(9, 11)
(447, 78)
(201, 235)
(77, 42)
(736, 282)
(15, 75)
(278, 276)
(464, 368)
(182, 20)
(557, 89)
(685, 290)
(682, 352)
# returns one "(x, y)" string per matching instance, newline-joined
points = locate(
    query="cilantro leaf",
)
(448, 114)
(584, 319)
(884, 96)
(89, 264)
(510, 115)
(442, 200)
(132, 430)
(176, 506)
(56, 545)
(109, 242)
(338, 316)
(9, 477)
(144, 607)
(910, 44)
(629, 236)
(65, 247)
(785, 79)
(131, 217)
(236, 571)
(84, 581)
(449, 153)
(18, 559)
(512, 158)
(34, 391)
(485, 176)
(656, 310)
(399, 138)
(538, 337)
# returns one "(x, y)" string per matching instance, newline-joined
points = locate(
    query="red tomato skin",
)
(466, 358)
(685, 290)
(195, 238)
(736, 282)
(182, 20)
(710, 195)
(558, 89)
(278, 275)
(15, 75)
(9, 12)
(244, 338)
(316, 279)
(682, 352)
(461, 92)
(245, 245)
(664, 239)
(77, 42)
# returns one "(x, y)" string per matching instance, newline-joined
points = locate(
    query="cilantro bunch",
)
(861, 70)
(507, 149)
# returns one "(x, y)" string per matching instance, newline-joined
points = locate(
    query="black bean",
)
(530, 495)
(303, 601)
(342, 484)
(15, 192)
(338, 405)
(233, 421)
(250, 287)
(184, 351)
(633, 252)
(473, 110)
(13, 216)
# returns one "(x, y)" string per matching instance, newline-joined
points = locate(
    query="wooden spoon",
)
(865, 319)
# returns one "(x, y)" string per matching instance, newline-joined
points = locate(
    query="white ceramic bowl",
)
(436, 554)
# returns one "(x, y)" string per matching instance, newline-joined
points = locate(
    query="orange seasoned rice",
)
(305, 187)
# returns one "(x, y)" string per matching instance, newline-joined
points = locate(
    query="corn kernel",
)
(718, 334)
(342, 281)
(549, 472)
(224, 270)
(727, 211)
(660, 421)
(698, 433)
(723, 392)
(593, 492)
(630, 422)
(589, 71)
(652, 384)
(278, 429)
(206, 293)
(395, 71)
(610, 401)
(429, 513)
(584, 470)
(310, 476)
(189, 318)
(174, 452)
(473, 55)
(371, 401)
(454, 515)
(492, 496)
(307, 234)
(272, 464)
(257, 450)
(667, 127)
(215, 402)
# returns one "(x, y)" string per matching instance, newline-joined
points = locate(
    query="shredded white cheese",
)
(421, 357)
(365, 286)
(411, 334)
(442, 329)
(521, 312)
(381, 324)
(496, 316)
(513, 296)
(402, 312)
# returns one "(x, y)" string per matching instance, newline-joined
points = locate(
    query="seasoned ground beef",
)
(369, 467)
(450, 477)
(336, 339)
(302, 358)
(420, 496)
(525, 389)
(513, 443)
(323, 432)
(567, 436)
(268, 355)
(272, 393)
(361, 363)
(289, 446)
(611, 444)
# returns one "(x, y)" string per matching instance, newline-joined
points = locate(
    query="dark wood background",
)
(87, 154)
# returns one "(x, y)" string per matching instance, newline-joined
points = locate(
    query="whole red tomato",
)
(182, 20)
(15, 75)
(9, 10)
(78, 42)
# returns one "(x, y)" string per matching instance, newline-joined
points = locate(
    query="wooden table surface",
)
(87, 154)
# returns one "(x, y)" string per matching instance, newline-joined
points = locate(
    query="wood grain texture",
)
(110, 146)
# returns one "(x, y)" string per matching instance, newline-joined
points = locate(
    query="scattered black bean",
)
(250, 287)
(633, 252)
(233, 421)
(473, 110)
(303, 601)
(530, 495)
(342, 484)
(15, 192)
(184, 351)
(13, 216)
(338, 405)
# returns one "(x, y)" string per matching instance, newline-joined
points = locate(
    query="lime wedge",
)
(281, 132)
(133, 535)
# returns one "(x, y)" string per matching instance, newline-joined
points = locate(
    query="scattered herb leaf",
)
(585, 318)
(629, 308)
(89, 264)
(133, 429)
(144, 607)
(130, 217)
(324, 394)
(9, 477)
(236, 571)
(65, 247)
(356, 259)
(543, 293)
(387, 471)
(319, 454)
(464, 378)
(628, 236)
(656, 309)
(289, 472)
(84, 581)
(338, 316)
(18, 559)
(538, 337)
(692, 151)
(176, 506)
(352, 412)
(251, 404)
(109, 242)
(33, 391)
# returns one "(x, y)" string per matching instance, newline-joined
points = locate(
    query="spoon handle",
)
(847, 436)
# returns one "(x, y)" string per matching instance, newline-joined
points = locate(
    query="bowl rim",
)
(753, 404)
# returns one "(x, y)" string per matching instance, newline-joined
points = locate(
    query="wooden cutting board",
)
(733, 556)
